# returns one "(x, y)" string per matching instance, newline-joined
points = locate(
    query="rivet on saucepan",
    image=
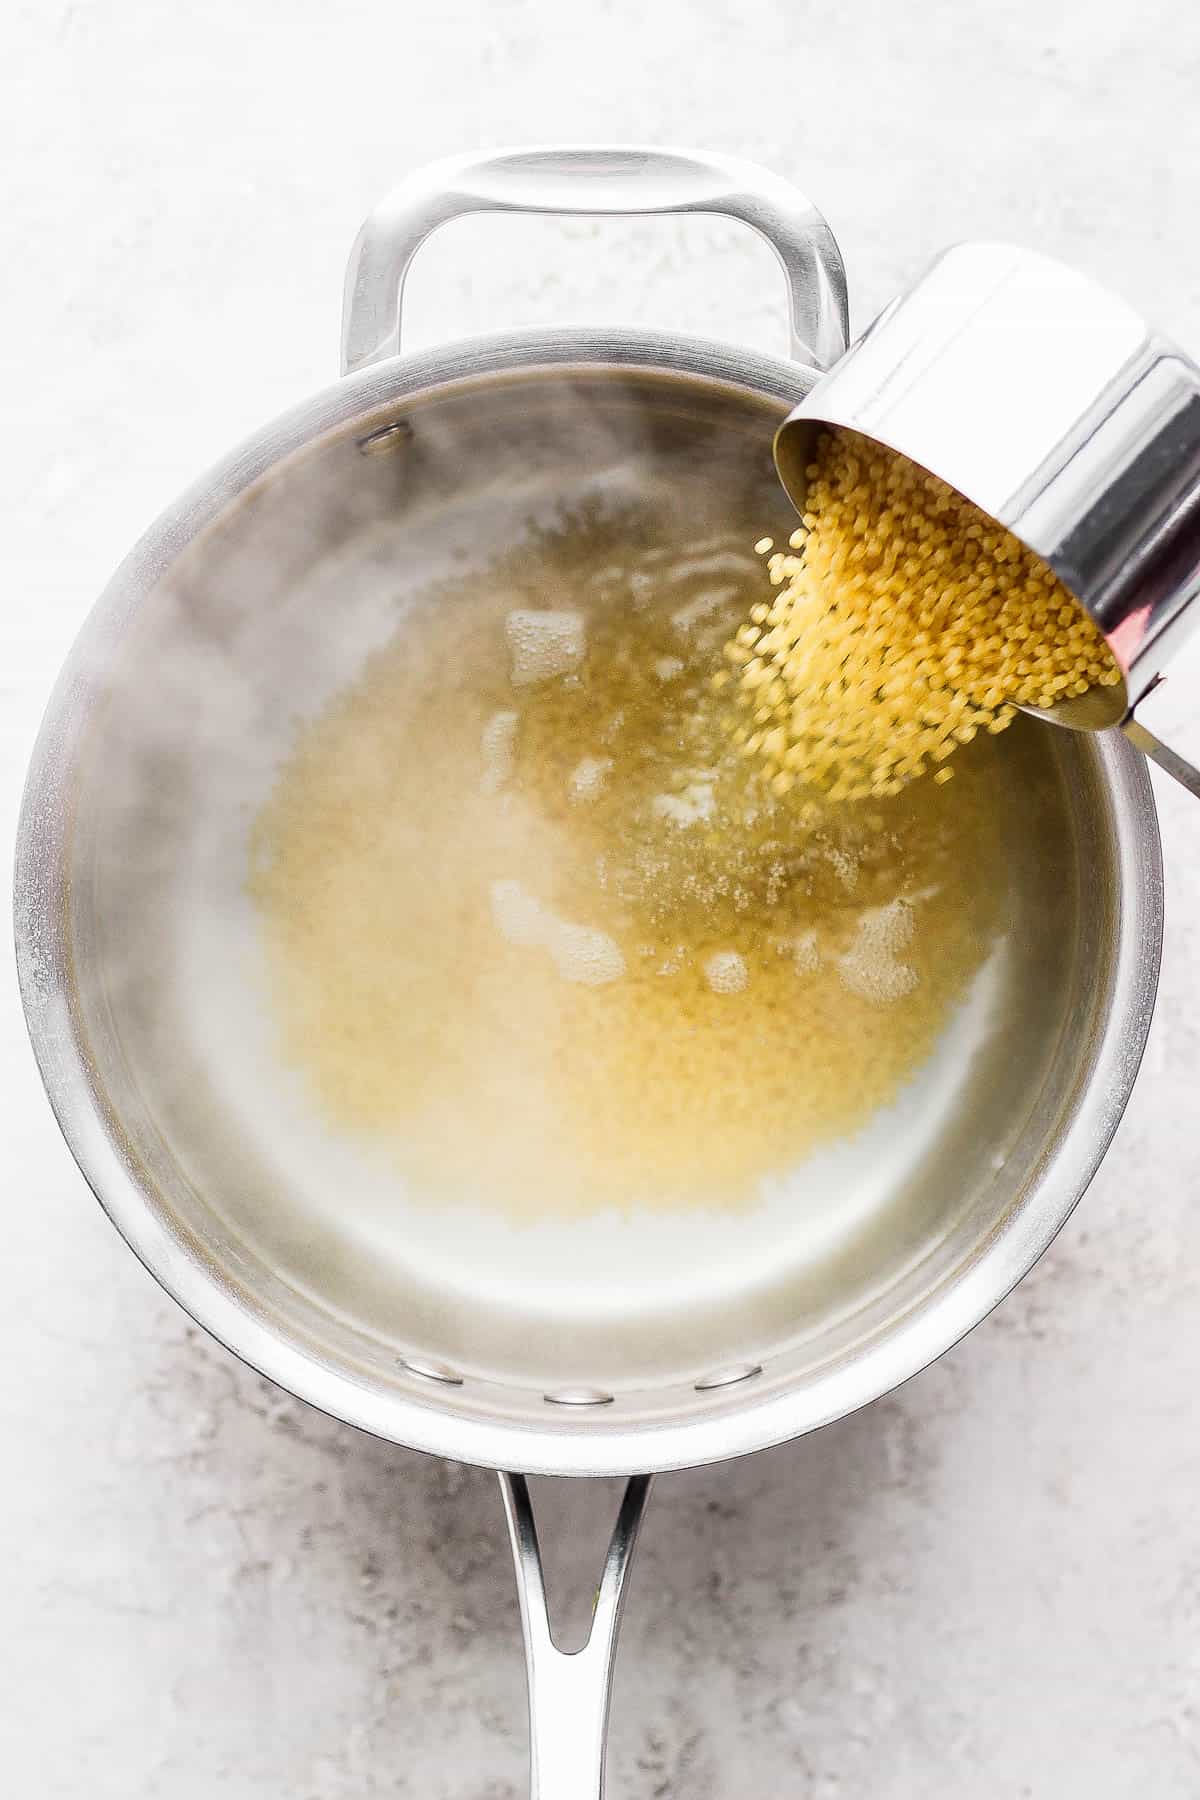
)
(579, 1397)
(726, 1377)
(431, 1371)
(387, 438)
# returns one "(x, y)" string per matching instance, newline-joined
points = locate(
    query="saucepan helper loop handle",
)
(591, 181)
(569, 1694)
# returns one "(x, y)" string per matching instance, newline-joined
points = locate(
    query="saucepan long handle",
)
(569, 1694)
(589, 180)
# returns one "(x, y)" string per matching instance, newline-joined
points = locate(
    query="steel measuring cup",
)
(1053, 407)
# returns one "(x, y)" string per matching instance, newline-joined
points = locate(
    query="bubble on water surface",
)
(726, 972)
(543, 645)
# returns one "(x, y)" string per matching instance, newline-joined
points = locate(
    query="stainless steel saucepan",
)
(588, 1347)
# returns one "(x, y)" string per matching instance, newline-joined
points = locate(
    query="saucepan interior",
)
(613, 1341)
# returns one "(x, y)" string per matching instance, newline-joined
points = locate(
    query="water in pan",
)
(534, 927)
(335, 868)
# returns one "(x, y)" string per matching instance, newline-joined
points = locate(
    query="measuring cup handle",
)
(1165, 723)
(590, 181)
(569, 1694)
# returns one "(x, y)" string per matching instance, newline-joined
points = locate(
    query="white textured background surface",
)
(986, 1586)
